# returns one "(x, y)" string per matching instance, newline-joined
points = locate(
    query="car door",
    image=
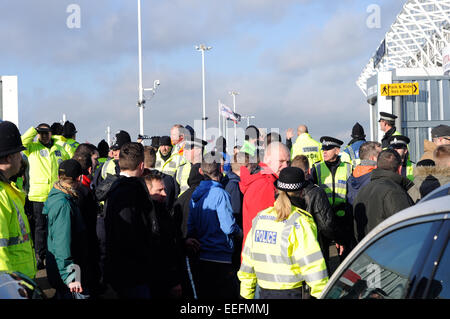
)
(387, 267)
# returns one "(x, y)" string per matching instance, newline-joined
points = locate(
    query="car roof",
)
(438, 192)
(431, 207)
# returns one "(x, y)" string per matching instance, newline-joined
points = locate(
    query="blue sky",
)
(293, 62)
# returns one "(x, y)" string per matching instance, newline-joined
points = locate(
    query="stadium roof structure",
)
(415, 40)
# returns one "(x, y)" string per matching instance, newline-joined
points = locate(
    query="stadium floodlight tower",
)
(141, 100)
(203, 48)
(414, 51)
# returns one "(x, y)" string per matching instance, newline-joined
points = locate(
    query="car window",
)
(439, 288)
(382, 270)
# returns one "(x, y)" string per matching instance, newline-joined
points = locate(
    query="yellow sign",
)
(400, 89)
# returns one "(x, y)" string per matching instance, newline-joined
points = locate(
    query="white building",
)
(415, 49)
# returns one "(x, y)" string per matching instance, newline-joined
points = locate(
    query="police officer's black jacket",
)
(130, 232)
(385, 195)
(387, 135)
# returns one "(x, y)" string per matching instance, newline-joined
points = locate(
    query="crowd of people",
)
(171, 220)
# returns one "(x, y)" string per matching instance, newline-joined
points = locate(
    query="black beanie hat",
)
(165, 141)
(358, 131)
(69, 129)
(291, 179)
(57, 128)
(122, 137)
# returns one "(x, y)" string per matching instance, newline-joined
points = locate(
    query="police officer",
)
(400, 144)
(111, 166)
(166, 161)
(331, 174)
(387, 125)
(16, 247)
(351, 152)
(44, 157)
(306, 145)
(69, 133)
(193, 154)
(282, 252)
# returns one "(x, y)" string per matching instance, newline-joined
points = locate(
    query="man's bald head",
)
(277, 157)
(302, 129)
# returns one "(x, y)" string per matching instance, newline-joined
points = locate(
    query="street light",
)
(233, 93)
(141, 100)
(248, 117)
(203, 48)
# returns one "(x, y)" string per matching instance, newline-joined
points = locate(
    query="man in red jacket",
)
(258, 186)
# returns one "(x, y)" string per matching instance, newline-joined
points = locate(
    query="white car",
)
(406, 256)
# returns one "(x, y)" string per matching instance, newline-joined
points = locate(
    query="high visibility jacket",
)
(248, 148)
(409, 172)
(169, 166)
(336, 189)
(109, 168)
(59, 139)
(44, 163)
(282, 254)
(71, 146)
(350, 153)
(101, 160)
(307, 146)
(182, 176)
(16, 247)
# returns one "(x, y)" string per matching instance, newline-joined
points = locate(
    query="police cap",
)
(329, 143)
(387, 117)
(398, 141)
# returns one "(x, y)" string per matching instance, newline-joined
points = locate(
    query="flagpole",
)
(220, 118)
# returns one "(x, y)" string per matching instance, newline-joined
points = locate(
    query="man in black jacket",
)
(131, 228)
(385, 195)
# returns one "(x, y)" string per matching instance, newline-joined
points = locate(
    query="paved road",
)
(41, 277)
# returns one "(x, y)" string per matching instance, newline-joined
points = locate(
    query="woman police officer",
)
(281, 252)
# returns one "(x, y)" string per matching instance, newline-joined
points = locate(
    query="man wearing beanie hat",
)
(298, 262)
(16, 246)
(44, 157)
(70, 133)
(351, 152)
(440, 135)
(164, 160)
(103, 150)
(57, 133)
(111, 166)
(67, 235)
(331, 174)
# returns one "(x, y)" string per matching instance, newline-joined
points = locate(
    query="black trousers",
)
(215, 280)
(40, 229)
(295, 293)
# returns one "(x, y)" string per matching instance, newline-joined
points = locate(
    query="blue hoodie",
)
(211, 221)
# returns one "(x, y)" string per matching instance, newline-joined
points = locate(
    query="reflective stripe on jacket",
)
(336, 189)
(43, 163)
(71, 146)
(16, 247)
(306, 145)
(282, 254)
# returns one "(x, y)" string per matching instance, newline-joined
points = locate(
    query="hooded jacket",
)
(67, 238)
(427, 179)
(259, 193)
(359, 178)
(428, 148)
(385, 195)
(211, 222)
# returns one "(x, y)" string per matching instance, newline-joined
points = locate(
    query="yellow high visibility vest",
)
(282, 254)
(71, 146)
(169, 166)
(306, 145)
(336, 194)
(108, 168)
(16, 247)
(182, 176)
(43, 163)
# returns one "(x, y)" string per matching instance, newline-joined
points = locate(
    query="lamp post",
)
(203, 48)
(248, 117)
(141, 100)
(233, 93)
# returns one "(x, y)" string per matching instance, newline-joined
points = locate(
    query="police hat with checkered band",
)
(329, 143)
(398, 141)
(387, 117)
(291, 179)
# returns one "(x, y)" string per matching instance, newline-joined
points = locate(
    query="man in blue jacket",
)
(211, 225)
